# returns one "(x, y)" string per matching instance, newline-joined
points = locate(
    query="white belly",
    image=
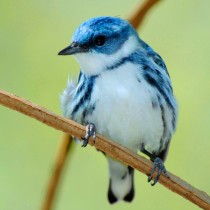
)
(124, 110)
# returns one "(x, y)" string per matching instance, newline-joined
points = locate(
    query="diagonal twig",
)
(140, 12)
(65, 147)
(111, 148)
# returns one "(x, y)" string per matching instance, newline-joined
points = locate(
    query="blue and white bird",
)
(124, 92)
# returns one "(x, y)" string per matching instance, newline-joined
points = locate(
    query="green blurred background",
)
(31, 34)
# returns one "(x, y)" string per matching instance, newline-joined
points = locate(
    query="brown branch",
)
(135, 19)
(66, 143)
(111, 148)
(140, 12)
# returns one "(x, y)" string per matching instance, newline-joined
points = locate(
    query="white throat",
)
(94, 63)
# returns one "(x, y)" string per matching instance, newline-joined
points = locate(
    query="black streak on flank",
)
(138, 80)
(155, 79)
(81, 80)
(86, 95)
(173, 119)
(158, 60)
(157, 83)
(164, 124)
(154, 103)
(81, 87)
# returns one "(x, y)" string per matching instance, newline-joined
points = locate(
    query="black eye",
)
(100, 40)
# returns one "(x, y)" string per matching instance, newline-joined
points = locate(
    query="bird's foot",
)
(90, 131)
(158, 164)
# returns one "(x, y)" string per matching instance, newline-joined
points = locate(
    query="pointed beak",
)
(74, 48)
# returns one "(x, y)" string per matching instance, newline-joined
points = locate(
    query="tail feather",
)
(121, 184)
(111, 197)
(129, 197)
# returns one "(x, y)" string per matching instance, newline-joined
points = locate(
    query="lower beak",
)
(74, 48)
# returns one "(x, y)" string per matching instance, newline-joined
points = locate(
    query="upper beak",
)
(73, 49)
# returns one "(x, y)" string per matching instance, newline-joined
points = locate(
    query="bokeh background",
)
(31, 34)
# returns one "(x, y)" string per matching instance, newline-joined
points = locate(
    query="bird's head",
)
(100, 42)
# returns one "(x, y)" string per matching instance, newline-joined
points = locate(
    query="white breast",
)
(124, 109)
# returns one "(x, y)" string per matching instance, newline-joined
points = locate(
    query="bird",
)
(123, 92)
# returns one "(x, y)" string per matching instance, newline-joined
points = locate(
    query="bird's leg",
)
(90, 131)
(143, 150)
(157, 164)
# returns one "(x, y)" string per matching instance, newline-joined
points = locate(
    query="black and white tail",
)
(121, 186)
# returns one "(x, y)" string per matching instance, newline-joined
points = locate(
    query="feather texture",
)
(124, 89)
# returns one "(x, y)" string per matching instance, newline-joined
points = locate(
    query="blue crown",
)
(111, 27)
